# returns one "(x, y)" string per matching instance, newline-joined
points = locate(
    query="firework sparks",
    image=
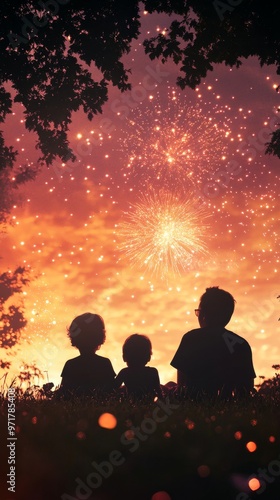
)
(176, 145)
(163, 234)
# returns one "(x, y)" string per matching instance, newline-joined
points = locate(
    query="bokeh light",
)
(203, 471)
(254, 484)
(107, 421)
(80, 435)
(161, 495)
(238, 435)
(129, 434)
(190, 424)
(251, 446)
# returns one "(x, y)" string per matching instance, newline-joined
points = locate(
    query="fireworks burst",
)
(163, 234)
(177, 145)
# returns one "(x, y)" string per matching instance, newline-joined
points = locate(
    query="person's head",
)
(215, 308)
(87, 332)
(137, 350)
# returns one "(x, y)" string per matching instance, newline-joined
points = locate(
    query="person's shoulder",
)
(195, 331)
(192, 333)
(124, 370)
(73, 361)
(151, 369)
(123, 375)
(102, 359)
(71, 365)
(236, 336)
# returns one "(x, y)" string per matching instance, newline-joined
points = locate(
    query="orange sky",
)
(128, 299)
(65, 226)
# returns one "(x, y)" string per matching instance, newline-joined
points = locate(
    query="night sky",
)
(171, 193)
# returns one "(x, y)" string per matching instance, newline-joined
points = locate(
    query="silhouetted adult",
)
(212, 361)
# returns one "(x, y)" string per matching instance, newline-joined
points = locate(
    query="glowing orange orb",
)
(251, 446)
(254, 484)
(107, 421)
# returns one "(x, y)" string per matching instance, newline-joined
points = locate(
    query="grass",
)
(191, 451)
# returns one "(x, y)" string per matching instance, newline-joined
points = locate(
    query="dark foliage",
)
(10, 180)
(44, 57)
(188, 450)
(11, 316)
(63, 59)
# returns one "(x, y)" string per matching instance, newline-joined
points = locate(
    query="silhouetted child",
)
(140, 381)
(87, 374)
(212, 361)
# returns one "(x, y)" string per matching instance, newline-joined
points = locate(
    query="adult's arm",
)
(245, 384)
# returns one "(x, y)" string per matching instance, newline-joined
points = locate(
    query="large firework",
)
(177, 144)
(163, 234)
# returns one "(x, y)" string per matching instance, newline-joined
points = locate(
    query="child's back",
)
(140, 381)
(87, 374)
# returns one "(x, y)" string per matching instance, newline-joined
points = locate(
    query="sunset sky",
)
(153, 148)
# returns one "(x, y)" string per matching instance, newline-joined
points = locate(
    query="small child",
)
(140, 381)
(87, 374)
